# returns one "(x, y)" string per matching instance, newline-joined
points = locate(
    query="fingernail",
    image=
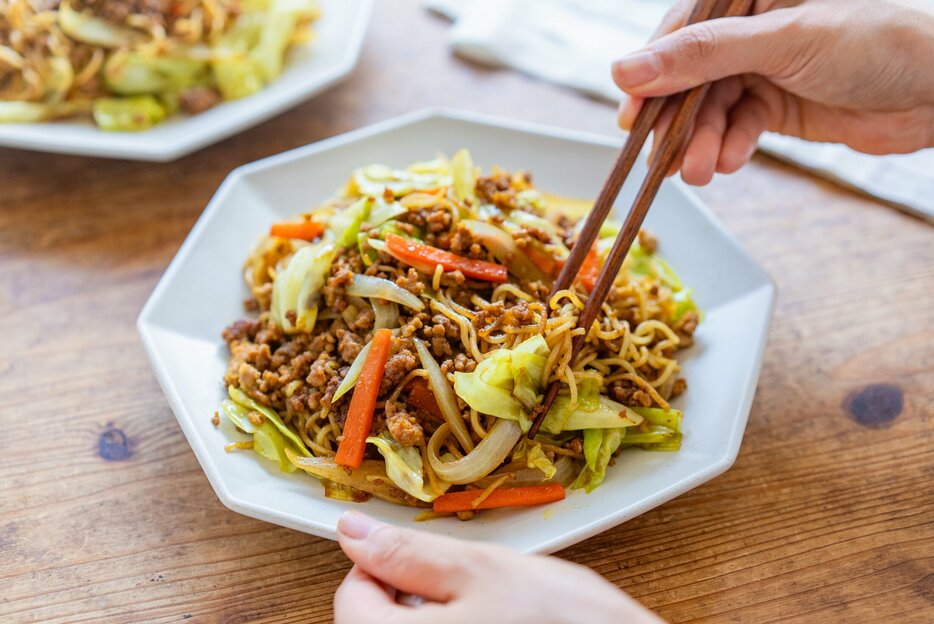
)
(637, 69)
(356, 525)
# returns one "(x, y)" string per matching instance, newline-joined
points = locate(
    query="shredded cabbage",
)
(127, 114)
(593, 411)
(298, 287)
(345, 224)
(373, 180)
(240, 397)
(404, 467)
(382, 211)
(133, 73)
(684, 302)
(267, 441)
(463, 174)
(534, 457)
(508, 383)
(599, 446)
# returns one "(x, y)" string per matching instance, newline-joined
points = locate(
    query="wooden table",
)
(828, 514)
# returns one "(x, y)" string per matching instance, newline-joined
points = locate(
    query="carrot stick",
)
(504, 497)
(425, 258)
(590, 269)
(305, 230)
(546, 263)
(363, 402)
(421, 396)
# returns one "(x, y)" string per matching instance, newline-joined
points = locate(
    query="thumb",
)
(434, 567)
(708, 51)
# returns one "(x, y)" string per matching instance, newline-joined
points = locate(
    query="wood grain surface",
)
(105, 515)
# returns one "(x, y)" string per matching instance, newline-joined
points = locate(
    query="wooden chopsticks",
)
(664, 158)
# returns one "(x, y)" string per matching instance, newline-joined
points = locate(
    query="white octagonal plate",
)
(309, 69)
(202, 292)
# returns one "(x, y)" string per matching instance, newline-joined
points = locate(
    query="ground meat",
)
(517, 315)
(198, 99)
(322, 370)
(685, 328)
(412, 282)
(117, 11)
(647, 241)
(574, 444)
(241, 330)
(349, 345)
(497, 315)
(461, 363)
(440, 346)
(464, 243)
(345, 265)
(628, 393)
(525, 235)
(403, 425)
(680, 386)
(397, 367)
(497, 189)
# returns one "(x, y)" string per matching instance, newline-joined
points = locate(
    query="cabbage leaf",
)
(297, 288)
(508, 383)
(404, 467)
(599, 446)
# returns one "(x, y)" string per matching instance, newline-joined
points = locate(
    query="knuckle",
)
(696, 44)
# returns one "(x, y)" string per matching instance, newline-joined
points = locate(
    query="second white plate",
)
(309, 69)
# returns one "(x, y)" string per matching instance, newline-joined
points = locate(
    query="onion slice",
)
(353, 374)
(379, 288)
(387, 314)
(444, 394)
(490, 453)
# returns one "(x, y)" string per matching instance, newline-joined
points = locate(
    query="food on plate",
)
(404, 331)
(130, 64)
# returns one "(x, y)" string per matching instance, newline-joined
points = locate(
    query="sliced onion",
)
(378, 244)
(481, 461)
(88, 28)
(503, 247)
(377, 287)
(387, 314)
(445, 396)
(353, 374)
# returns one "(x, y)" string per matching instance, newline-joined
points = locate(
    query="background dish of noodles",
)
(308, 69)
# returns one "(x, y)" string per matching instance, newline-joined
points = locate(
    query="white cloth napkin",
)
(573, 42)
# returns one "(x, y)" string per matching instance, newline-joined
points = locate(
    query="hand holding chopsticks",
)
(665, 156)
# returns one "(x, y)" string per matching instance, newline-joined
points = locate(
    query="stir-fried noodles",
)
(132, 63)
(405, 331)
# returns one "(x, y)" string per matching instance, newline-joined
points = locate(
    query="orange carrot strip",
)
(546, 263)
(590, 270)
(425, 258)
(503, 497)
(363, 402)
(306, 230)
(421, 396)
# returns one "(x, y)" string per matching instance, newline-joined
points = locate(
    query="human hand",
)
(846, 71)
(466, 582)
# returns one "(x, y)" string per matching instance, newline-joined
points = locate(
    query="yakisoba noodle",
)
(452, 270)
(132, 63)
